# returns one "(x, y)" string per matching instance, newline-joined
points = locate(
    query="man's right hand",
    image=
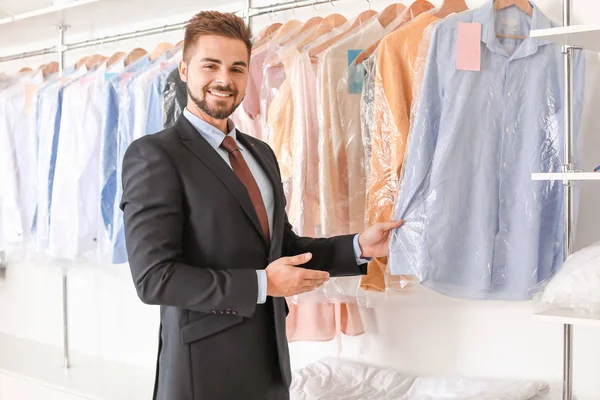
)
(285, 279)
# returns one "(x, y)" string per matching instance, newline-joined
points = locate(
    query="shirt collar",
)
(485, 16)
(213, 136)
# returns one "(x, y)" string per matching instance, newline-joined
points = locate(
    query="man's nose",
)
(224, 79)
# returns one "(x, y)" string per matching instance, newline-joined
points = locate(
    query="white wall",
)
(421, 331)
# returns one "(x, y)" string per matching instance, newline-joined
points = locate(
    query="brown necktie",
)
(243, 173)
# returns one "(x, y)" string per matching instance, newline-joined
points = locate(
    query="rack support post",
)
(568, 166)
(65, 292)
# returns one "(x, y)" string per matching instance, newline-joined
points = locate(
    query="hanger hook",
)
(103, 46)
(369, 3)
(332, 5)
(294, 12)
(315, 7)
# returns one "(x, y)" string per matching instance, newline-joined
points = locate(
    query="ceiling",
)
(90, 19)
(9, 8)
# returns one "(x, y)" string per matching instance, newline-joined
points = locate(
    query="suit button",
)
(228, 312)
(234, 312)
(214, 312)
(221, 312)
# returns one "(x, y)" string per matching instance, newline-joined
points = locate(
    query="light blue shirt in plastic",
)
(110, 142)
(476, 225)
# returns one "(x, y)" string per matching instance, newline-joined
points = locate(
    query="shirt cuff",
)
(358, 254)
(261, 274)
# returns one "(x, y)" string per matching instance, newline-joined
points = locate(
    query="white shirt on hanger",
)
(64, 215)
(17, 159)
(341, 203)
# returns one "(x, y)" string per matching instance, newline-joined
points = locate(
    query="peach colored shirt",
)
(393, 97)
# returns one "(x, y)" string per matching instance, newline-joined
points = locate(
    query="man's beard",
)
(222, 112)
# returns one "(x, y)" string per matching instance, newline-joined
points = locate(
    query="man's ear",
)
(183, 70)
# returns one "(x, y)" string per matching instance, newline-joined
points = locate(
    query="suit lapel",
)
(204, 151)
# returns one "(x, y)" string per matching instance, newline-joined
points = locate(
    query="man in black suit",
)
(208, 237)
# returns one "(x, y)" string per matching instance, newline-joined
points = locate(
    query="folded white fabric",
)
(577, 284)
(335, 379)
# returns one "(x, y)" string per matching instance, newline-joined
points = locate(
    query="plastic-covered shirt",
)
(174, 98)
(18, 159)
(246, 116)
(47, 124)
(64, 221)
(76, 222)
(133, 115)
(342, 212)
(155, 121)
(110, 145)
(476, 225)
(392, 100)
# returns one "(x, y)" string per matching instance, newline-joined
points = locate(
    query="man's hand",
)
(375, 240)
(285, 279)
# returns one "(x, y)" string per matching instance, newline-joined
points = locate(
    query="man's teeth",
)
(220, 94)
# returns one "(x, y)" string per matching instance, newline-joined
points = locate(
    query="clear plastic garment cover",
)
(17, 155)
(321, 160)
(392, 85)
(476, 225)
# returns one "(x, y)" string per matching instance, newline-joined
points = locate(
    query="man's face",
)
(216, 75)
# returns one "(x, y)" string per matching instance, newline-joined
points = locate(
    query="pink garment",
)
(322, 321)
(304, 202)
(246, 124)
(247, 116)
(251, 102)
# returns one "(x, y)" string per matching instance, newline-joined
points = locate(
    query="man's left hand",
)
(375, 240)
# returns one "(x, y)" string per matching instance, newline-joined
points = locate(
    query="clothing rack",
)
(61, 48)
(569, 214)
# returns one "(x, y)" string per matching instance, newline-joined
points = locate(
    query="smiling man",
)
(209, 240)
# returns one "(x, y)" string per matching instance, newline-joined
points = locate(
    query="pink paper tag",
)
(468, 47)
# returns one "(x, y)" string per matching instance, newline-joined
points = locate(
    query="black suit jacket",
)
(194, 243)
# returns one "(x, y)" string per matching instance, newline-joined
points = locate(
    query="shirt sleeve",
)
(358, 254)
(261, 274)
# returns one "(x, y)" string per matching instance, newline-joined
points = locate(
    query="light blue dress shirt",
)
(475, 225)
(156, 101)
(215, 137)
(48, 115)
(125, 129)
(110, 143)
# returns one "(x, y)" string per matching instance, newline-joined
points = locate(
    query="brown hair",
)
(215, 23)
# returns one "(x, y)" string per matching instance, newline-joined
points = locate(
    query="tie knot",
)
(229, 144)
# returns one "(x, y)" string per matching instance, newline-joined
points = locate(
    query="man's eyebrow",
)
(213, 60)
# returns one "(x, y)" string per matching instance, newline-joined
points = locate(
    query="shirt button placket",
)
(508, 128)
